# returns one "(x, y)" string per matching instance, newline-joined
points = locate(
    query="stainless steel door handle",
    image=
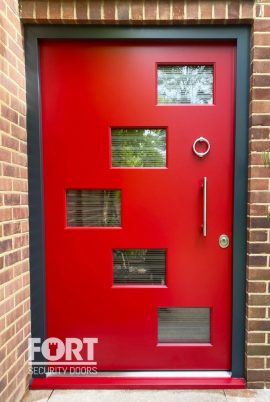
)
(204, 226)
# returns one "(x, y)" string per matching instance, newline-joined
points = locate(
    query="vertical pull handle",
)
(204, 226)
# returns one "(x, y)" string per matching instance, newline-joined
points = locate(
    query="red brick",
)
(18, 132)
(256, 337)
(12, 199)
(19, 185)
(123, 10)
(81, 10)
(10, 142)
(260, 93)
(261, 120)
(164, 10)
(260, 197)
(261, 39)
(5, 184)
(257, 261)
(5, 245)
(266, 10)
(12, 228)
(258, 210)
(256, 287)
(5, 155)
(258, 375)
(6, 275)
(233, 9)
(259, 133)
(178, 10)
(261, 52)
(259, 146)
(257, 235)
(12, 258)
(247, 9)
(258, 350)
(192, 10)
(5, 214)
(255, 362)
(261, 66)
(261, 25)
(259, 248)
(206, 10)
(20, 213)
(255, 385)
(27, 10)
(259, 300)
(11, 171)
(261, 107)
(21, 241)
(256, 312)
(95, 9)
(258, 171)
(68, 10)
(55, 11)
(17, 104)
(137, 10)
(109, 10)
(41, 10)
(9, 114)
(258, 184)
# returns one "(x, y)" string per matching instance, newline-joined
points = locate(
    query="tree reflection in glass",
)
(185, 84)
(138, 147)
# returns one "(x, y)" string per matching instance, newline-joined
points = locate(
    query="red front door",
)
(127, 258)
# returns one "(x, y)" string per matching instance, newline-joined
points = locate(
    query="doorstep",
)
(147, 396)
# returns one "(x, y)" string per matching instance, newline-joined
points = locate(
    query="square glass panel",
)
(138, 147)
(179, 84)
(94, 208)
(139, 266)
(186, 325)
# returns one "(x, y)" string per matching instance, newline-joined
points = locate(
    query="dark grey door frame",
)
(240, 35)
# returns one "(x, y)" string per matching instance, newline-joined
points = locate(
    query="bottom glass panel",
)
(184, 325)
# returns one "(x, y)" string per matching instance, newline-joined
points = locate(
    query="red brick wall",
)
(136, 12)
(14, 267)
(258, 271)
(255, 13)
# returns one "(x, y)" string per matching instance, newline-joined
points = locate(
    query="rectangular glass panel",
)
(138, 147)
(178, 84)
(97, 208)
(139, 266)
(184, 325)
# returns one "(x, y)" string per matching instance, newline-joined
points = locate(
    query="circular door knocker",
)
(201, 140)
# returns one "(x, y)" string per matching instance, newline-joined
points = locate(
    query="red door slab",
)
(87, 89)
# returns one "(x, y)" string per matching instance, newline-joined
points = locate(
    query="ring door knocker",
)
(201, 140)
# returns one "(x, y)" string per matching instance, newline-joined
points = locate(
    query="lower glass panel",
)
(139, 266)
(186, 325)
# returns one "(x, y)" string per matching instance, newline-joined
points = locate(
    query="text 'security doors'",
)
(138, 214)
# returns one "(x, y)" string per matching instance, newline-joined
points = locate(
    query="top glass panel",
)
(179, 84)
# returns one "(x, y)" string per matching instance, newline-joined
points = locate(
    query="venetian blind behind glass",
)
(96, 208)
(178, 84)
(140, 266)
(138, 147)
(183, 325)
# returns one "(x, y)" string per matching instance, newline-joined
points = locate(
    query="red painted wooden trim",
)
(136, 383)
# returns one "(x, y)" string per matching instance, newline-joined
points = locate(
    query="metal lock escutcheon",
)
(224, 241)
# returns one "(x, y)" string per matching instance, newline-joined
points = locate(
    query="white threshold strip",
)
(148, 374)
